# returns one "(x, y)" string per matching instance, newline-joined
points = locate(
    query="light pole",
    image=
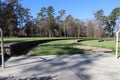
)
(2, 48)
(117, 39)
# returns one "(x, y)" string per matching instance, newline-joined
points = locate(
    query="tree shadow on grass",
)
(56, 49)
(71, 50)
(23, 48)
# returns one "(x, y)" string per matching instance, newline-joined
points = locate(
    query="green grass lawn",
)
(12, 40)
(110, 44)
(56, 48)
(59, 47)
(66, 46)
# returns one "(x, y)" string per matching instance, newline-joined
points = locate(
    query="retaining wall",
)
(23, 47)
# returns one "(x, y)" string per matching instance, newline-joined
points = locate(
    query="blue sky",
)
(81, 9)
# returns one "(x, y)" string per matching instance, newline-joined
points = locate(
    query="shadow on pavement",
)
(76, 63)
(6, 58)
(29, 78)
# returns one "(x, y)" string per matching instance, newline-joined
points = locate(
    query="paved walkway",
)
(97, 66)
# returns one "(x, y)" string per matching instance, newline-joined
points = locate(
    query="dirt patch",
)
(94, 49)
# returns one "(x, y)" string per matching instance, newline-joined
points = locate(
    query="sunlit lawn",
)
(56, 48)
(66, 46)
(62, 46)
(110, 44)
(16, 39)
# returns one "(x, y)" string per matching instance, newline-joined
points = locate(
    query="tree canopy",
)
(16, 20)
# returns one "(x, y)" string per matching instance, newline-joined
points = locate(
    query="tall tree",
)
(2, 14)
(51, 20)
(114, 16)
(62, 14)
(59, 21)
(68, 24)
(79, 24)
(90, 28)
(42, 14)
(99, 18)
(47, 15)
(13, 15)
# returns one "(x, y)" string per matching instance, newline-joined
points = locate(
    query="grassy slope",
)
(56, 48)
(106, 44)
(61, 46)
(11, 40)
(50, 48)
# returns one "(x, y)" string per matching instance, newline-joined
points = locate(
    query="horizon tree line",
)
(16, 20)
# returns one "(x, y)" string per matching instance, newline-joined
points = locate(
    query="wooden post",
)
(2, 49)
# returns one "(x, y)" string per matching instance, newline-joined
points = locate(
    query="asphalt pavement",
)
(94, 66)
